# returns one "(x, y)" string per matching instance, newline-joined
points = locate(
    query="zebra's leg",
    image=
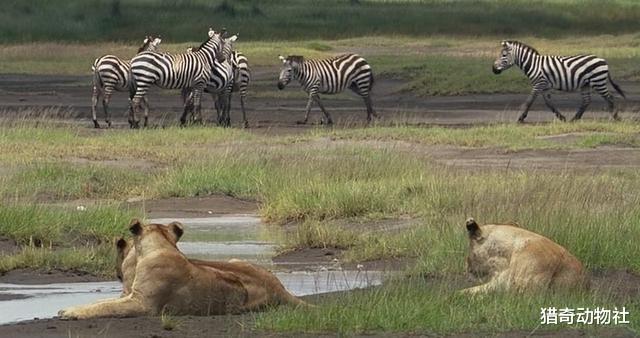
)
(586, 100)
(187, 100)
(526, 105)
(197, 96)
(370, 112)
(362, 89)
(604, 92)
(329, 121)
(135, 103)
(245, 123)
(94, 105)
(106, 98)
(219, 109)
(146, 111)
(307, 110)
(227, 108)
(549, 103)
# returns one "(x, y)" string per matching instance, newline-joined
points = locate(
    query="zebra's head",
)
(289, 63)
(214, 44)
(150, 43)
(506, 58)
(228, 46)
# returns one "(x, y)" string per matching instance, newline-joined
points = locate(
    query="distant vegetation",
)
(183, 20)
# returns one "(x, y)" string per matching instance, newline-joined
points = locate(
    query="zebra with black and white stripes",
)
(220, 83)
(110, 73)
(185, 70)
(565, 73)
(241, 79)
(329, 76)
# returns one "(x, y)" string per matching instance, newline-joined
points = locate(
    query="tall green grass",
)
(585, 134)
(63, 226)
(97, 260)
(434, 307)
(176, 20)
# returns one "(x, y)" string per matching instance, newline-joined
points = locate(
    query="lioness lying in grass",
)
(508, 257)
(263, 287)
(165, 280)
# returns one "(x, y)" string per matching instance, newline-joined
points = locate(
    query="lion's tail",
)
(289, 299)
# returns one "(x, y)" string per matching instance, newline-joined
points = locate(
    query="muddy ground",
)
(278, 111)
(273, 112)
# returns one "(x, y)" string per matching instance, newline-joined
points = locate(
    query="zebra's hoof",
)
(245, 124)
(562, 118)
(96, 124)
(301, 122)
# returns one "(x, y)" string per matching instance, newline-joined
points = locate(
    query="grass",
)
(324, 180)
(169, 322)
(63, 226)
(432, 307)
(96, 260)
(586, 134)
(96, 20)
(435, 65)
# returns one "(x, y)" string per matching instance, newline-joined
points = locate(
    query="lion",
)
(166, 281)
(515, 259)
(263, 287)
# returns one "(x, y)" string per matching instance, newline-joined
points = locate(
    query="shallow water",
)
(214, 238)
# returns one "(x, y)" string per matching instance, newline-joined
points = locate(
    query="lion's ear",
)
(135, 227)
(121, 244)
(177, 228)
(473, 229)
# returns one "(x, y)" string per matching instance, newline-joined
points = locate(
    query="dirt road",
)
(269, 108)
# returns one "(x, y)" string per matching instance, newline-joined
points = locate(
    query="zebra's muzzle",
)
(496, 70)
(280, 85)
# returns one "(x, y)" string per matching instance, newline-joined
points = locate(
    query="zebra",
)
(173, 71)
(329, 76)
(219, 84)
(566, 73)
(112, 73)
(241, 79)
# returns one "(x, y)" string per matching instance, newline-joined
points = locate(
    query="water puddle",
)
(212, 238)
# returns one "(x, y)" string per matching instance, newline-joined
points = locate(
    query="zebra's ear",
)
(211, 32)
(233, 38)
(504, 43)
(282, 58)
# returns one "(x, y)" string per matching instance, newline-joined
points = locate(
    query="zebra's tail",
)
(97, 80)
(616, 87)
(132, 85)
(371, 81)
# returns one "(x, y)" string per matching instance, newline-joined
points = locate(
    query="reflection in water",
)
(215, 238)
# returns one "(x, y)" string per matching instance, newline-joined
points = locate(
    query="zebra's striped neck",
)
(527, 59)
(209, 49)
(301, 71)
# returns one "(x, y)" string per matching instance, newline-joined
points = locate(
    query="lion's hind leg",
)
(117, 307)
(498, 282)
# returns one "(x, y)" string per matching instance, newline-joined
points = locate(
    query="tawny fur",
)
(507, 257)
(166, 281)
(263, 287)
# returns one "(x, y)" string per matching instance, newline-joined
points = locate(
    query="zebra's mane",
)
(522, 45)
(295, 58)
(220, 57)
(145, 45)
